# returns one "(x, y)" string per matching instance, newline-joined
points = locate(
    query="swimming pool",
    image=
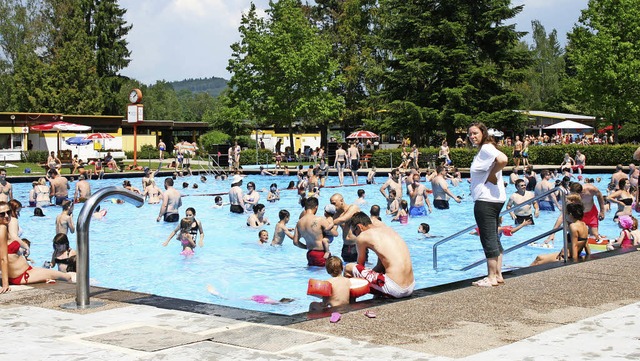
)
(127, 253)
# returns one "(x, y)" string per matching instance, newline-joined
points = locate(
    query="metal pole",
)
(84, 219)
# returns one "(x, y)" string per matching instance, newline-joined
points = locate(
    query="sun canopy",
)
(362, 134)
(78, 141)
(60, 127)
(568, 124)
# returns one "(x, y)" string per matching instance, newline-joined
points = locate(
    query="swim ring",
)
(594, 245)
(359, 287)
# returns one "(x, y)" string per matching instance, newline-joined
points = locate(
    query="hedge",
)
(547, 154)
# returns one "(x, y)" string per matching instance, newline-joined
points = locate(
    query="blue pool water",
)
(126, 246)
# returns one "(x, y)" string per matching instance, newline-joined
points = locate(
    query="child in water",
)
(339, 286)
(423, 230)
(403, 213)
(188, 244)
(263, 237)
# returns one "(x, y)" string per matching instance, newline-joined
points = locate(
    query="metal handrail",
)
(84, 220)
(455, 235)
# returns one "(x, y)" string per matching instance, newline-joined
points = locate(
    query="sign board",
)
(135, 113)
(25, 130)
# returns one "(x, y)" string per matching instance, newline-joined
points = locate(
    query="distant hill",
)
(213, 85)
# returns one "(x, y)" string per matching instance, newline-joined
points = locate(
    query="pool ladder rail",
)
(564, 227)
(82, 234)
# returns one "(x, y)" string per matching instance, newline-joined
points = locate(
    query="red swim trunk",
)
(18, 280)
(591, 217)
(316, 258)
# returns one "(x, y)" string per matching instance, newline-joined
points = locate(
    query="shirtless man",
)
(392, 183)
(6, 191)
(591, 214)
(59, 187)
(236, 198)
(83, 190)
(231, 157)
(53, 162)
(548, 203)
(520, 196)
(615, 178)
(354, 162)
(418, 197)
(633, 175)
(344, 212)
(311, 228)
(171, 202)
(393, 275)
(64, 220)
(581, 161)
(161, 148)
(441, 192)
(236, 155)
(149, 176)
(340, 162)
(517, 152)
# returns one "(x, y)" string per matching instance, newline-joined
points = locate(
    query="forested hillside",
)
(214, 86)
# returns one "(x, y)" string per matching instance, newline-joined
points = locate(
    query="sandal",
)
(484, 283)
(370, 314)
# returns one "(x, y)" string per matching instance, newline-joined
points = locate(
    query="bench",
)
(364, 160)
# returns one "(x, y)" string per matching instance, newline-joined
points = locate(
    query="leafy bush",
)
(246, 141)
(248, 156)
(147, 151)
(551, 155)
(209, 139)
(35, 156)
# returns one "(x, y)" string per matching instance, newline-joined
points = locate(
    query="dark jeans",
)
(486, 214)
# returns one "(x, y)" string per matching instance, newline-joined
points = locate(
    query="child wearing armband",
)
(339, 286)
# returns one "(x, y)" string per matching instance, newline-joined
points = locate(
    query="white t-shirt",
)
(481, 190)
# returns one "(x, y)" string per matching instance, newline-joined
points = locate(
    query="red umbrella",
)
(608, 128)
(362, 134)
(93, 136)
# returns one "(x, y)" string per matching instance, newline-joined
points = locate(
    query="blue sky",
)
(180, 39)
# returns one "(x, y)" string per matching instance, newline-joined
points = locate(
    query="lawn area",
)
(37, 169)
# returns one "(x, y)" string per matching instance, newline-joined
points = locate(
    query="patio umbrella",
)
(608, 128)
(60, 126)
(93, 136)
(78, 141)
(362, 134)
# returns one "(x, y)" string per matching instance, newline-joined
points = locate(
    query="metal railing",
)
(84, 220)
(533, 239)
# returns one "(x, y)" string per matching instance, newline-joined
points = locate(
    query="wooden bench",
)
(364, 160)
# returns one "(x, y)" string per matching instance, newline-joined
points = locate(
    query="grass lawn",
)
(36, 169)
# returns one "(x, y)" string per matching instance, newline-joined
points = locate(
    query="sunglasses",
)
(5, 214)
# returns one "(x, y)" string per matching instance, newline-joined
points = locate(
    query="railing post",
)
(84, 219)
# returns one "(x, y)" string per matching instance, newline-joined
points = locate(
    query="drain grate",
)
(264, 338)
(145, 338)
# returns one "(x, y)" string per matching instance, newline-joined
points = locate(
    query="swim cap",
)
(330, 209)
(626, 222)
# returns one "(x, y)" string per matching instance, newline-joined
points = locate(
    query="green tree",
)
(449, 63)
(227, 118)
(161, 102)
(604, 49)
(282, 69)
(543, 84)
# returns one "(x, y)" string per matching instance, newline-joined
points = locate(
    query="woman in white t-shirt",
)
(489, 195)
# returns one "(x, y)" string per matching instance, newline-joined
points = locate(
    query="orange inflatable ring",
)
(602, 246)
(359, 287)
(319, 288)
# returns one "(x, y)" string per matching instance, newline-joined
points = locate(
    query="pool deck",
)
(583, 311)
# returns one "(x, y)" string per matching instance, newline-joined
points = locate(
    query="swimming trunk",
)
(417, 211)
(382, 283)
(161, 148)
(520, 219)
(236, 208)
(32, 203)
(546, 206)
(441, 203)
(316, 258)
(578, 166)
(355, 164)
(369, 181)
(591, 218)
(349, 253)
(171, 217)
(59, 200)
(516, 154)
(18, 280)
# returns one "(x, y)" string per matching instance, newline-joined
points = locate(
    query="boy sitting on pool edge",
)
(340, 286)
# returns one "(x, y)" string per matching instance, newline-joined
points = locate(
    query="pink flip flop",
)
(370, 314)
(335, 317)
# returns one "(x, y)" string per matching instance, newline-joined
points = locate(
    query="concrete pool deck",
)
(583, 311)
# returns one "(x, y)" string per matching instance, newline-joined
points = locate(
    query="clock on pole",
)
(135, 115)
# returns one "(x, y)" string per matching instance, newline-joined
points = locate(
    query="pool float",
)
(594, 245)
(319, 288)
(359, 287)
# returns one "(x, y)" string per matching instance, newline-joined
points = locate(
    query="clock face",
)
(135, 96)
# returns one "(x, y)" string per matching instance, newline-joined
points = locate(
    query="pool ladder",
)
(564, 227)
(84, 219)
